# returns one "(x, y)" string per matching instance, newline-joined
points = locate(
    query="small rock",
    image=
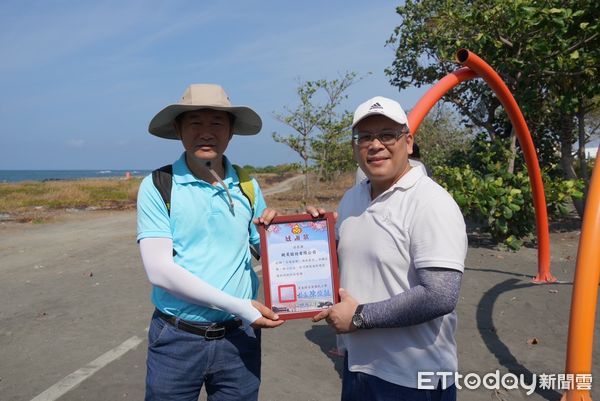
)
(553, 291)
(533, 341)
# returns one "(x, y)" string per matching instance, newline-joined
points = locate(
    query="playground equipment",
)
(587, 272)
(476, 67)
(585, 292)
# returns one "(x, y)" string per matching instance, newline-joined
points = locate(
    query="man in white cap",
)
(402, 246)
(195, 245)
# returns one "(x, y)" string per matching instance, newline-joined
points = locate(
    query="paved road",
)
(283, 186)
(73, 294)
(73, 290)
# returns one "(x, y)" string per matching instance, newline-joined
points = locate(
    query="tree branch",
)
(505, 41)
(573, 74)
(575, 46)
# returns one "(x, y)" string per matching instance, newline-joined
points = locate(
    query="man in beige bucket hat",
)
(194, 240)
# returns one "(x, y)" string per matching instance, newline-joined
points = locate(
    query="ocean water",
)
(53, 175)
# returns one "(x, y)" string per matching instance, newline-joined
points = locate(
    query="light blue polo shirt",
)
(211, 242)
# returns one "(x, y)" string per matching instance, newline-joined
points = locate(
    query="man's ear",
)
(354, 152)
(409, 143)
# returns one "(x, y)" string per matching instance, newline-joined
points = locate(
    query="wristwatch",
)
(358, 319)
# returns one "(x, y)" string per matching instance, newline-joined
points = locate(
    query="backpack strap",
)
(163, 181)
(246, 185)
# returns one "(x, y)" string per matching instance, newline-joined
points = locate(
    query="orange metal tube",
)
(585, 291)
(475, 66)
(429, 99)
(492, 78)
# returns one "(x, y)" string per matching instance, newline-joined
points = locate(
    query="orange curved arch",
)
(585, 292)
(475, 66)
(431, 97)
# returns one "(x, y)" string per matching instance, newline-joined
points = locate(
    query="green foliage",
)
(559, 192)
(499, 201)
(332, 149)
(440, 136)
(548, 54)
(320, 134)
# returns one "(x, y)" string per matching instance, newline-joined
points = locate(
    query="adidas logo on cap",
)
(375, 106)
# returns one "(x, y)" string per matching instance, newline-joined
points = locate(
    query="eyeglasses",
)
(386, 137)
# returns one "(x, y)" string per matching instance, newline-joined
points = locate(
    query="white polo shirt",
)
(415, 224)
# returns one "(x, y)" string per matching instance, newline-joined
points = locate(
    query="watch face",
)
(357, 321)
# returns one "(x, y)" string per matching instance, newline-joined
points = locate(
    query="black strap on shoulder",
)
(163, 181)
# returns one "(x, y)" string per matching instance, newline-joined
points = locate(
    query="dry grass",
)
(33, 201)
(41, 201)
(325, 194)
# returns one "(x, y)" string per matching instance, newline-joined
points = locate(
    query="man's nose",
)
(205, 132)
(375, 143)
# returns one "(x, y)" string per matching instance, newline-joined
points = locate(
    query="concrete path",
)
(74, 309)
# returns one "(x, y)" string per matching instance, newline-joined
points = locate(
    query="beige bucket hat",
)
(204, 96)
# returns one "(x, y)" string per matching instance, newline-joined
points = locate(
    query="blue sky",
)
(80, 80)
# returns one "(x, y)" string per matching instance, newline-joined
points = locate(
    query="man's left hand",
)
(339, 316)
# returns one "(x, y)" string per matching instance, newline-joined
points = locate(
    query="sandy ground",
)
(73, 289)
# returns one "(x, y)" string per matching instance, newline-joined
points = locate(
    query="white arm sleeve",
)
(163, 272)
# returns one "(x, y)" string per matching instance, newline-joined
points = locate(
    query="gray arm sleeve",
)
(435, 295)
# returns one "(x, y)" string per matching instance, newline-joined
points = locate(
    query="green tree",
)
(498, 201)
(320, 134)
(332, 149)
(440, 136)
(547, 52)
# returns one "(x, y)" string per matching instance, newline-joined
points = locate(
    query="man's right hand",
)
(318, 211)
(269, 318)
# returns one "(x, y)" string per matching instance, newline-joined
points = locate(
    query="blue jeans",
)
(358, 386)
(179, 363)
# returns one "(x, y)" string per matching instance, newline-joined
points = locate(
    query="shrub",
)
(503, 204)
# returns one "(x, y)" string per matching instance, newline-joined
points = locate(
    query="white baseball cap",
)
(380, 105)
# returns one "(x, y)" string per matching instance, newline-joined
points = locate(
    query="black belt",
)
(210, 331)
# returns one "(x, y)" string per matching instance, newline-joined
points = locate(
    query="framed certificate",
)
(299, 264)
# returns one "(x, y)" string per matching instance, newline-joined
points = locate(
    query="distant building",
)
(591, 151)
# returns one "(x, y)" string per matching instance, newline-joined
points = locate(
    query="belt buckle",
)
(214, 333)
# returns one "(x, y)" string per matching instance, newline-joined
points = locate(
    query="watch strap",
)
(358, 319)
